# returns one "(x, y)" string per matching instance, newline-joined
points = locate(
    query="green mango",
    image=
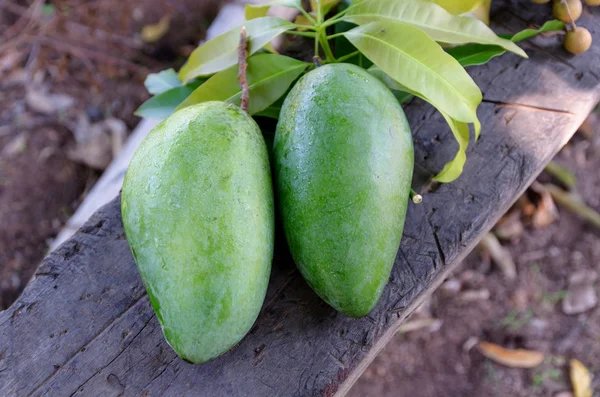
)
(343, 158)
(197, 207)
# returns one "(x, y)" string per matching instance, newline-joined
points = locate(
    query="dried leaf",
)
(581, 294)
(154, 32)
(519, 358)
(433, 325)
(546, 211)
(15, 146)
(580, 379)
(43, 102)
(510, 227)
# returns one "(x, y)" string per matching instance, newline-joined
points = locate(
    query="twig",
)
(26, 18)
(574, 203)
(562, 174)
(500, 255)
(573, 26)
(242, 67)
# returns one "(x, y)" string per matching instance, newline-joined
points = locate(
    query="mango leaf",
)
(454, 167)
(162, 105)
(475, 54)
(546, 27)
(222, 51)
(479, 54)
(269, 76)
(438, 23)
(253, 11)
(271, 112)
(419, 64)
(457, 7)
(399, 91)
(162, 81)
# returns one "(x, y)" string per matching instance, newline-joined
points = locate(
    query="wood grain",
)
(84, 326)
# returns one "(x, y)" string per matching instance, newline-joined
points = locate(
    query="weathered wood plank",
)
(84, 326)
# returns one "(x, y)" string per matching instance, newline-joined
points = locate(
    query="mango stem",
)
(242, 69)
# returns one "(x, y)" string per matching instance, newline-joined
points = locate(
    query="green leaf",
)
(549, 26)
(268, 75)
(399, 91)
(253, 11)
(475, 54)
(454, 168)
(479, 54)
(271, 112)
(438, 23)
(457, 7)
(222, 51)
(419, 64)
(162, 105)
(274, 109)
(162, 81)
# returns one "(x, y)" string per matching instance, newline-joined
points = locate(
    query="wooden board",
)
(84, 326)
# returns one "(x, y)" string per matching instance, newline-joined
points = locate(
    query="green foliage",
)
(457, 7)
(419, 64)
(222, 51)
(269, 76)
(432, 19)
(401, 38)
(479, 54)
(253, 11)
(157, 83)
(162, 105)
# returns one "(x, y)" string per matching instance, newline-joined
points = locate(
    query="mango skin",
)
(343, 158)
(198, 213)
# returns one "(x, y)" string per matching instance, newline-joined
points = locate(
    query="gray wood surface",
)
(84, 326)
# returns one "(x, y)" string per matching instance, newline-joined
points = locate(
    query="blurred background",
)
(71, 76)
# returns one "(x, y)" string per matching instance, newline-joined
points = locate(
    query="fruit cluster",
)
(578, 39)
(198, 199)
(198, 208)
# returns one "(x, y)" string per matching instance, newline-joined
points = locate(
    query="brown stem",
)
(573, 26)
(574, 203)
(242, 67)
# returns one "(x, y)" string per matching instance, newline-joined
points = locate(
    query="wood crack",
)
(96, 336)
(167, 365)
(437, 241)
(114, 358)
(528, 107)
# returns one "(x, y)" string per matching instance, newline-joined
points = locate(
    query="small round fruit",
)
(578, 41)
(540, 1)
(559, 9)
(592, 3)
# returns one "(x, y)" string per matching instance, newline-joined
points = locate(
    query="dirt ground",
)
(50, 88)
(71, 76)
(479, 304)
